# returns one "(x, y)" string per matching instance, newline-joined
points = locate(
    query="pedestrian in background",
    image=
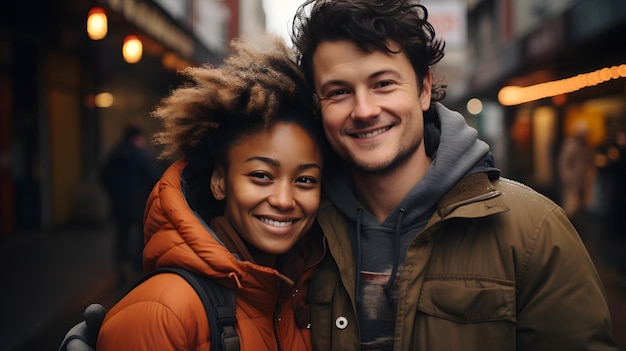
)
(574, 165)
(430, 249)
(128, 175)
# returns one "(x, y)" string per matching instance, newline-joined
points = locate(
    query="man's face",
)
(371, 105)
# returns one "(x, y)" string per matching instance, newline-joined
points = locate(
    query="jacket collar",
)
(473, 188)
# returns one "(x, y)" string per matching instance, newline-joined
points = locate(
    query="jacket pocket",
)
(468, 299)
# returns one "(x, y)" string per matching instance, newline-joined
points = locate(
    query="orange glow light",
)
(97, 24)
(104, 100)
(513, 95)
(132, 50)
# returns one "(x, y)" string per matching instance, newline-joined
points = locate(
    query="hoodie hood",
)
(176, 236)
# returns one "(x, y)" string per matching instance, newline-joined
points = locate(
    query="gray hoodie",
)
(381, 247)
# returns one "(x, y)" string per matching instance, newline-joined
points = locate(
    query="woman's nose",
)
(282, 197)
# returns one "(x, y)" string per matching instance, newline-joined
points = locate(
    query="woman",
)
(239, 207)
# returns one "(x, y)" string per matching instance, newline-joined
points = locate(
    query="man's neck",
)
(382, 192)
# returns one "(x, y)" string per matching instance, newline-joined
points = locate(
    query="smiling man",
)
(430, 248)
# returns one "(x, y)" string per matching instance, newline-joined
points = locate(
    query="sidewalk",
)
(48, 279)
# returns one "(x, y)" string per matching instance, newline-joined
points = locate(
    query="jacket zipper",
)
(276, 321)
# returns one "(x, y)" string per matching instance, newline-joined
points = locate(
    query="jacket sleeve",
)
(163, 313)
(561, 301)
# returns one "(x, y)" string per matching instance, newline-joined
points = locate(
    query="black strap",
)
(219, 305)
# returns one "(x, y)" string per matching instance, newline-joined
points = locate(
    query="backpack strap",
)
(219, 305)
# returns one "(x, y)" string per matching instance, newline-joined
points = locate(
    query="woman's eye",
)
(306, 180)
(260, 176)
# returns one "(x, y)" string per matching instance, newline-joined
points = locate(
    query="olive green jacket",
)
(498, 267)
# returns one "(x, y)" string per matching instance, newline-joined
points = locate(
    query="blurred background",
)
(543, 81)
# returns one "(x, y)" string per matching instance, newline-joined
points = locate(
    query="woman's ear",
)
(217, 183)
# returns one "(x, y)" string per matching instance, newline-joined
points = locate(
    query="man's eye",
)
(383, 84)
(335, 93)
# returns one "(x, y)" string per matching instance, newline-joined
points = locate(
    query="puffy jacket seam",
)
(168, 308)
(164, 253)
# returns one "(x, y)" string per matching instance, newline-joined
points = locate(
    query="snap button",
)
(341, 322)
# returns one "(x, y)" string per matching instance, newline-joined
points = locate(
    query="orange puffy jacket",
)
(165, 313)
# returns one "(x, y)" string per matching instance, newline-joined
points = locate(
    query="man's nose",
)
(365, 106)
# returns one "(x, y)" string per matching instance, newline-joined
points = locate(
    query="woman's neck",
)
(261, 257)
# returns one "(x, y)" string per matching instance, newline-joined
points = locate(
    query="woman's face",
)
(271, 187)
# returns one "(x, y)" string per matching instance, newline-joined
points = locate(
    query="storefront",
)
(66, 99)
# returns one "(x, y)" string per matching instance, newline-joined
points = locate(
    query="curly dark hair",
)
(370, 24)
(256, 86)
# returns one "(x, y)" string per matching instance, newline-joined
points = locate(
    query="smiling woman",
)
(271, 186)
(238, 206)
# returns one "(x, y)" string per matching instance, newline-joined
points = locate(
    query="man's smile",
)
(371, 134)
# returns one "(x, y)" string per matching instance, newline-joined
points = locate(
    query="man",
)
(430, 248)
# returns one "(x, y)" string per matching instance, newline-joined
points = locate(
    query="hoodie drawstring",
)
(358, 255)
(396, 258)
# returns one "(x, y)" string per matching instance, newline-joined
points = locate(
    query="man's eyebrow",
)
(382, 72)
(330, 83)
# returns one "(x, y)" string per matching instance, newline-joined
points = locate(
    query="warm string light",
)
(97, 23)
(132, 50)
(97, 28)
(514, 95)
